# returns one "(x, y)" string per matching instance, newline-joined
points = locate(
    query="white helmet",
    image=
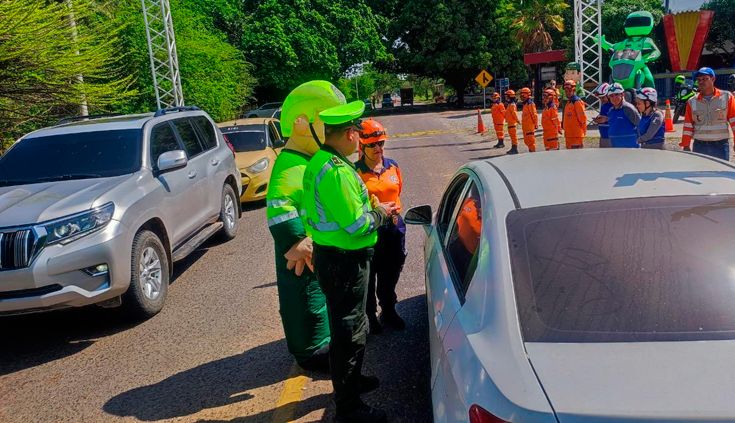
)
(615, 88)
(647, 93)
(601, 90)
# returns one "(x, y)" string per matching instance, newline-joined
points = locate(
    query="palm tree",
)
(530, 20)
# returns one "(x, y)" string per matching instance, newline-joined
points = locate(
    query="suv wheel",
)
(149, 276)
(228, 213)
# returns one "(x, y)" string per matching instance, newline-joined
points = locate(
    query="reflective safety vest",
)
(710, 120)
(285, 191)
(336, 204)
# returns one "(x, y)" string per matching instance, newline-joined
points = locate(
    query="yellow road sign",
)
(484, 78)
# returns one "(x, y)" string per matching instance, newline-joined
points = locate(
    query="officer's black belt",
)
(362, 252)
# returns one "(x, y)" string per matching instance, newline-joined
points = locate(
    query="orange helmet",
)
(550, 92)
(372, 132)
(525, 90)
(510, 93)
(496, 96)
(570, 82)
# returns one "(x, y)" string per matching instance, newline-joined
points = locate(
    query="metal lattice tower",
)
(588, 53)
(159, 29)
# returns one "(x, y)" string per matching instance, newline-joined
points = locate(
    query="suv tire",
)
(228, 214)
(149, 277)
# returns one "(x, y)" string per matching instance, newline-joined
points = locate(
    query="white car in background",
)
(583, 286)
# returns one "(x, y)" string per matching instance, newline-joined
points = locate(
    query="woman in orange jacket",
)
(550, 120)
(511, 117)
(574, 122)
(529, 119)
(498, 112)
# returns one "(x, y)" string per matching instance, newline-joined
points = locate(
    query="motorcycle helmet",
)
(615, 88)
(639, 24)
(601, 90)
(510, 93)
(647, 93)
(679, 80)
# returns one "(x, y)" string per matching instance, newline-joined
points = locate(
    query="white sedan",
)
(583, 286)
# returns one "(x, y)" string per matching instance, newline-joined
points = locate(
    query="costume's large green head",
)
(639, 24)
(300, 120)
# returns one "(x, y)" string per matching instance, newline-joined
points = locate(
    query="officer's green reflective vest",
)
(336, 203)
(285, 191)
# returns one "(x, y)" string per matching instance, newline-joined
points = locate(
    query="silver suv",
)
(95, 211)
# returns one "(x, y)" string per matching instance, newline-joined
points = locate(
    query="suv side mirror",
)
(279, 143)
(419, 215)
(171, 160)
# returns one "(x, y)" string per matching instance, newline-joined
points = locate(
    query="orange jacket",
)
(469, 224)
(529, 117)
(511, 114)
(386, 185)
(690, 126)
(498, 112)
(574, 121)
(550, 122)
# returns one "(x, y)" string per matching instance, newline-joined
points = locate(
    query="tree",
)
(294, 41)
(454, 40)
(529, 20)
(42, 57)
(720, 38)
(614, 13)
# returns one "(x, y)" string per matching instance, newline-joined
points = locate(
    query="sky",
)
(678, 5)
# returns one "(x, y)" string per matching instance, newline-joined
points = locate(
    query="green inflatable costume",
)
(302, 303)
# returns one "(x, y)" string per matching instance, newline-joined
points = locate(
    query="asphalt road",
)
(216, 352)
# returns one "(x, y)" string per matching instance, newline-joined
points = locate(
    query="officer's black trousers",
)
(385, 269)
(343, 276)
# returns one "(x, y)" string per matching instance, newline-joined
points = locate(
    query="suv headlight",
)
(258, 166)
(73, 227)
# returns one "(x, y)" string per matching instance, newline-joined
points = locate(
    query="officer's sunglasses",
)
(375, 144)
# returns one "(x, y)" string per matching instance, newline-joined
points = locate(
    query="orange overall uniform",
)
(498, 113)
(511, 117)
(551, 126)
(529, 123)
(574, 123)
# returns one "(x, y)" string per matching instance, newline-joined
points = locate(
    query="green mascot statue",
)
(630, 57)
(302, 303)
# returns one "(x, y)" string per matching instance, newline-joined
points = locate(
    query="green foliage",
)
(53, 59)
(530, 19)
(721, 31)
(294, 41)
(614, 13)
(453, 40)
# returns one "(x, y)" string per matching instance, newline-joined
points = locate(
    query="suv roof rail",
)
(86, 117)
(161, 112)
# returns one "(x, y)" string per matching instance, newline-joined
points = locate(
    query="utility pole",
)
(159, 30)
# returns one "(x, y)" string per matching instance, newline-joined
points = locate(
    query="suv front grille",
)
(16, 249)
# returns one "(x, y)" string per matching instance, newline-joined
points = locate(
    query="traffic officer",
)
(383, 180)
(574, 120)
(303, 306)
(529, 119)
(709, 117)
(623, 119)
(497, 111)
(550, 120)
(511, 117)
(344, 228)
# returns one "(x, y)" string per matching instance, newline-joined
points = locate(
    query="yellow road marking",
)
(426, 133)
(293, 390)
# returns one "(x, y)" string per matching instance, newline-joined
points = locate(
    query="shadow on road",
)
(301, 409)
(254, 205)
(214, 384)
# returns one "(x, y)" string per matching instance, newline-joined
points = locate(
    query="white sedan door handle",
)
(214, 162)
(438, 320)
(192, 174)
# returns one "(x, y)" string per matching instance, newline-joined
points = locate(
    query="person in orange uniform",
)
(383, 180)
(550, 120)
(498, 112)
(574, 121)
(511, 117)
(529, 119)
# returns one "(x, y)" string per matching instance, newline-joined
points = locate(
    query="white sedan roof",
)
(572, 176)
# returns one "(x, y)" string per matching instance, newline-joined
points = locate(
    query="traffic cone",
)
(668, 121)
(480, 123)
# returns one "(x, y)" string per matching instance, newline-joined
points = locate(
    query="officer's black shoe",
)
(500, 144)
(375, 327)
(393, 320)
(368, 384)
(316, 363)
(513, 150)
(363, 413)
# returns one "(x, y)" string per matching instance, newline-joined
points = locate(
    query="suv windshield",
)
(648, 269)
(250, 139)
(71, 156)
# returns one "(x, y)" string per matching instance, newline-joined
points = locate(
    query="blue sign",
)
(504, 82)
